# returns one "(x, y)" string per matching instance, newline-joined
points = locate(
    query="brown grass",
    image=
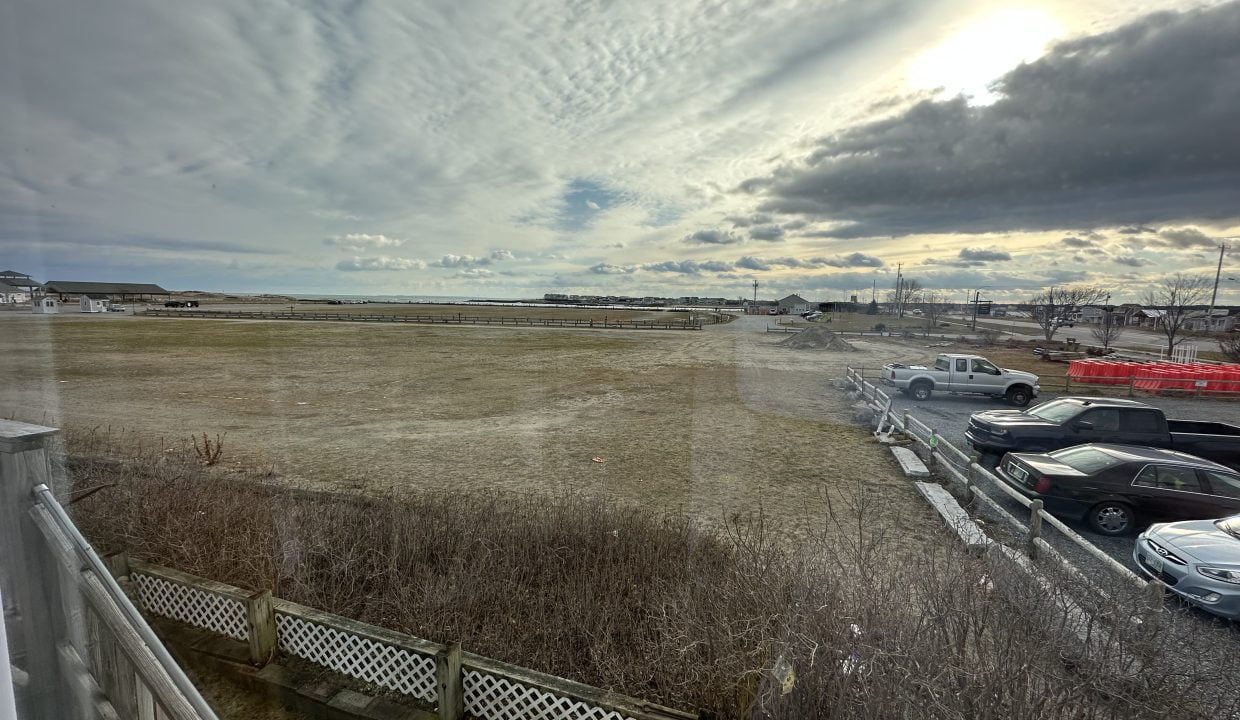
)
(659, 607)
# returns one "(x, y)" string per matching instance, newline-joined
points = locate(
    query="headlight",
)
(1227, 576)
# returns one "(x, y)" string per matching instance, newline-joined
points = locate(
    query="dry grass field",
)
(713, 423)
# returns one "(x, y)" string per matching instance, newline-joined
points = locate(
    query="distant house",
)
(1148, 317)
(118, 291)
(1216, 320)
(94, 302)
(45, 305)
(11, 294)
(1092, 314)
(16, 288)
(794, 305)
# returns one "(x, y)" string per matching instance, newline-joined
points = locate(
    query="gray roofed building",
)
(123, 290)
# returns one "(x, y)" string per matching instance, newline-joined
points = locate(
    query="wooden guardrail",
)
(455, 683)
(82, 647)
(962, 468)
(447, 319)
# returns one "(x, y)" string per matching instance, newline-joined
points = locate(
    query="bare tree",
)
(933, 306)
(1181, 298)
(1051, 308)
(1109, 330)
(905, 294)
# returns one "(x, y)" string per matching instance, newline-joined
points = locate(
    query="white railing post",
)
(29, 571)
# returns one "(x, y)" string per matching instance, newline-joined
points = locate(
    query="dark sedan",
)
(1113, 487)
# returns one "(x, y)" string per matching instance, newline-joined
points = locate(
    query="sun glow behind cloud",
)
(967, 61)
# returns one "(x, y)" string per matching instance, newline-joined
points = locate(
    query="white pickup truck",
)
(962, 374)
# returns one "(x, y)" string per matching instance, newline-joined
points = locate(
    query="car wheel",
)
(921, 391)
(1019, 395)
(1111, 518)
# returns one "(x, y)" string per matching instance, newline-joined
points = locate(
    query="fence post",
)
(118, 563)
(1154, 591)
(1035, 528)
(260, 622)
(1067, 385)
(448, 677)
(907, 430)
(30, 572)
(970, 478)
(1132, 381)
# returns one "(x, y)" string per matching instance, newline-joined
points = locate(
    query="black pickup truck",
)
(1069, 421)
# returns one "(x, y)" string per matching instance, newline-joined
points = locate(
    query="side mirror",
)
(1083, 425)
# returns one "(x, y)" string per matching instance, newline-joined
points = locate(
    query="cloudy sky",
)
(506, 149)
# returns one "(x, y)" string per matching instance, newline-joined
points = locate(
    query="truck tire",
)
(1111, 518)
(921, 390)
(1019, 395)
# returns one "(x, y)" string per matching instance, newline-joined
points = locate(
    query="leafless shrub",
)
(987, 337)
(209, 452)
(1230, 347)
(872, 622)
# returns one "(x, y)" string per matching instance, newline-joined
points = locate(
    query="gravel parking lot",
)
(948, 414)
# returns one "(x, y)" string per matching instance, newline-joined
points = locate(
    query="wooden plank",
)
(909, 462)
(260, 621)
(953, 515)
(450, 681)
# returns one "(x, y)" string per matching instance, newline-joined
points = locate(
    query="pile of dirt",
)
(818, 338)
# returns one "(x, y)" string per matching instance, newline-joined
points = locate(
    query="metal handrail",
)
(88, 556)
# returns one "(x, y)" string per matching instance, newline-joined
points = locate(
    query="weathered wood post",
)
(1154, 592)
(29, 571)
(450, 681)
(1132, 382)
(117, 563)
(970, 478)
(260, 624)
(1035, 528)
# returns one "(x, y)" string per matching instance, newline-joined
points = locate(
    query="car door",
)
(1170, 491)
(1100, 425)
(1223, 491)
(984, 377)
(960, 379)
(1141, 427)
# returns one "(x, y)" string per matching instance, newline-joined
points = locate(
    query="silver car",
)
(1199, 560)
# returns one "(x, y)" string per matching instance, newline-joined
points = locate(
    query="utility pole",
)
(1214, 296)
(755, 292)
(899, 295)
(977, 299)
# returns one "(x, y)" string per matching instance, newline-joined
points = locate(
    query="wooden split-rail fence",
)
(604, 323)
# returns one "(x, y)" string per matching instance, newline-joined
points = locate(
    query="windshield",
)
(1229, 525)
(1056, 411)
(1085, 459)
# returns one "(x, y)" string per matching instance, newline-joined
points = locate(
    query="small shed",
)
(94, 302)
(45, 305)
(794, 305)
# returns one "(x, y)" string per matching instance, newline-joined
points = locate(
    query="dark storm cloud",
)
(1076, 242)
(687, 267)
(972, 257)
(609, 269)
(1127, 127)
(742, 221)
(767, 233)
(713, 237)
(1184, 238)
(1132, 261)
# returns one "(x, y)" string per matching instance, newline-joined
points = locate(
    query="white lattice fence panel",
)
(192, 606)
(375, 662)
(491, 697)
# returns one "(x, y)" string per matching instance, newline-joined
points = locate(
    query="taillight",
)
(1043, 484)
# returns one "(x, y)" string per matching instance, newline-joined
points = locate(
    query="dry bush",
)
(208, 452)
(660, 608)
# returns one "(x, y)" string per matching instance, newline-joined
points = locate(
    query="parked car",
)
(1113, 487)
(962, 374)
(117, 308)
(1069, 421)
(1198, 560)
